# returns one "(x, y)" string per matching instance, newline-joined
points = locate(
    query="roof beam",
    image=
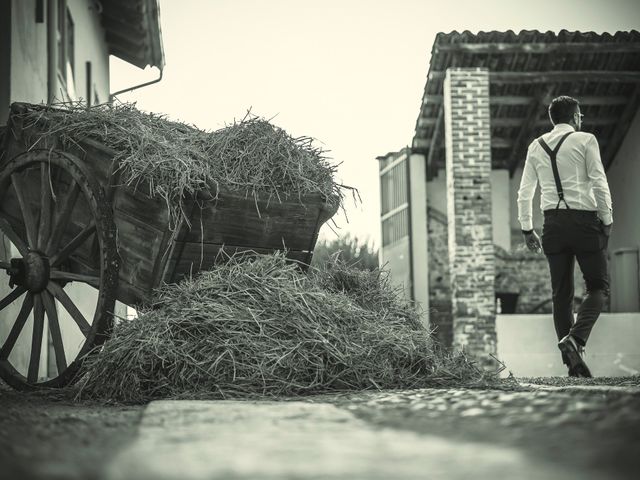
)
(424, 122)
(125, 38)
(565, 76)
(421, 143)
(538, 47)
(621, 129)
(622, 76)
(516, 100)
(541, 122)
(526, 125)
(435, 136)
(426, 143)
(494, 100)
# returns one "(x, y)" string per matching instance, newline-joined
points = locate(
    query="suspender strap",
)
(554, 166)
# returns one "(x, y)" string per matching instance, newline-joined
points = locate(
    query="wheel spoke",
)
(62, 218)
(13, 295)
(54, 327)
(13, 237)
(27, 305)
(44, 227)
(57, 291)
(75, 277)
(36, 339)
(25, 207)
(61, 256)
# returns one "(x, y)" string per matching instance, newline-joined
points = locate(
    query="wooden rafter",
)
(423, 144)
(435, 136)
(532, 118)
(543, 48)
(591, 100)
(621, 129)
(612, 76)
(542, 122)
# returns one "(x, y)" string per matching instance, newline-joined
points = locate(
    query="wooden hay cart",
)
(76, 240)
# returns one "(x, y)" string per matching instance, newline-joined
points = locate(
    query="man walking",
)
(576, 202)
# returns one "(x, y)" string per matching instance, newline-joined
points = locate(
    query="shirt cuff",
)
(607, 219)
(526, 225)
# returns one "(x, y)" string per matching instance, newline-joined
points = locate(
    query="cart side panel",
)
(143, 238)
(233, 220)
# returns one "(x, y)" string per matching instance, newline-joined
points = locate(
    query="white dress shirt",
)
(581, 173)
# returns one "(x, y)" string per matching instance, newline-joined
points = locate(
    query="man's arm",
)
(527, 189)
(598, 180)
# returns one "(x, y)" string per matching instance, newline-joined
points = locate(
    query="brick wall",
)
(471, 252)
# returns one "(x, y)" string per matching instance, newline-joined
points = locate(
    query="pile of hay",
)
(251, 157)
(261, 327)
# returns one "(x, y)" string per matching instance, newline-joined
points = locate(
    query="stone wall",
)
(526, 274)
(440, 318)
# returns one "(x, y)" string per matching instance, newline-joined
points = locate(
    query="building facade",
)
(56, 51)
(485, 100)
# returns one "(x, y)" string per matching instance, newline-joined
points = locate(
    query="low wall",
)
(527, 344)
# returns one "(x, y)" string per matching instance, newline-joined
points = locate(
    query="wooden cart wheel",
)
(62, 240)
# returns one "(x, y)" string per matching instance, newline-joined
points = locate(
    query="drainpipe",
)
(52, 50)
(130, 89)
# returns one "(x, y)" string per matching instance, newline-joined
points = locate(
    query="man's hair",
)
(561, 109)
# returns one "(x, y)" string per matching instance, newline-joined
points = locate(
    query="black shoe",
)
(571, 351)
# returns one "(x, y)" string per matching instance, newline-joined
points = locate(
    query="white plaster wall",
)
(90, 46)
(623, 178)
(500, 208)
(396, 259)
(437, 192)
(28, 54)
(527, 344)
(419, 244)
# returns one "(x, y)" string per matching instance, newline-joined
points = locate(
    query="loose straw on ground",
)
(263, 328)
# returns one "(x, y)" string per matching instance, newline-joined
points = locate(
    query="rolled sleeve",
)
(527, 189)
(598, 179)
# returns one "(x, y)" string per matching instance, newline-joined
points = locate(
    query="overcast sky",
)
(348, 72)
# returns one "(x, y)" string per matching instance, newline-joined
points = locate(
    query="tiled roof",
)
(133, 31)
(527, 69)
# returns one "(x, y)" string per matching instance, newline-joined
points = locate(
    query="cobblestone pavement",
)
(419, 434)
(198, 440)
(538, 432)
(588, 429)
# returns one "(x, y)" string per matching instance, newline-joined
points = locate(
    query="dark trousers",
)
(567, 236)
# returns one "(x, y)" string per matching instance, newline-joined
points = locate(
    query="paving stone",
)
(195, 440)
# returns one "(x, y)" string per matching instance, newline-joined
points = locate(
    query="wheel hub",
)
(31, 272)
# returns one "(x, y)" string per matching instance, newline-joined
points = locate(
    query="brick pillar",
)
(471, 255)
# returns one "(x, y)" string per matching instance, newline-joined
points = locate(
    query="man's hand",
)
(532, 241)
(607, 229)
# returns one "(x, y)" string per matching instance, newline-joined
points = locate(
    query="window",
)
(39, 11)
(89, 85)
(395, 202)
(395, 227)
